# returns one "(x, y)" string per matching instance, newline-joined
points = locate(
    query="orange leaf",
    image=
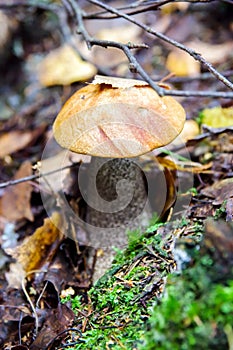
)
(63, 66)
(182, 64)
(36, 249)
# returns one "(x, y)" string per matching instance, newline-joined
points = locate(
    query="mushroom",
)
(116, 120)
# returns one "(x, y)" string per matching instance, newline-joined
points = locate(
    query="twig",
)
(163, 37)
(36, 176)
(203, 76)
(107, 43)
(48, 346)
(134, 64)
(150, 6)
(29, 299)
(74, 10)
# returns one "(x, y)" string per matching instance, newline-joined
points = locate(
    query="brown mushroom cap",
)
(118, 122)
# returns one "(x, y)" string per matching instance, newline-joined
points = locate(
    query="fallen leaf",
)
(220, 191)
(190, 130)
(41, 245)
(188, 166)
(182, 64)
(14, 141)
(63, 66)
(55, 158)
(171, 193)
(15, 276)
(120, 83)
(71, 267)
(15, 202)
(167, 9)
(217, 117)
(218, 235)
(57, 320)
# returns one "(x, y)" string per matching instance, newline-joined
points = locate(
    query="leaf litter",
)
(35, 254)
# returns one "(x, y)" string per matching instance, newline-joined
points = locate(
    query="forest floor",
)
(172, 286)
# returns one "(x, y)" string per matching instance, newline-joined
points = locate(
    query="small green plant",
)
(220, 212)
(193, 191)
(199, 118)
(75, 301)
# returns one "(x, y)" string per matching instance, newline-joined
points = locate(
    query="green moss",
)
(127, 308)
(193, 314)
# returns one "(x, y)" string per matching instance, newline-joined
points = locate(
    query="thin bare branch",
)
(146, 7)
(36, 176)
(163, 37)
(126, 48)
(134, 64)
(74, 10)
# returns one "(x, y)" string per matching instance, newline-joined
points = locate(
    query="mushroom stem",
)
(117, 198)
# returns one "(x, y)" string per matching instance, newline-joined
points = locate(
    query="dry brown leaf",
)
(182, 64)
(15, 202)
(212, 53)
(63, 158)
(118, 82)
(218, 235)
(63, 66)
(56, 321)
(123, 83)
(15, 276)
(37, 248)
(14, 141)
(220, 191)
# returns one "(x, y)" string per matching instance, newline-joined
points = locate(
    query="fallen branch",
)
(36, 176)
(73, 9)
(163, 37)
